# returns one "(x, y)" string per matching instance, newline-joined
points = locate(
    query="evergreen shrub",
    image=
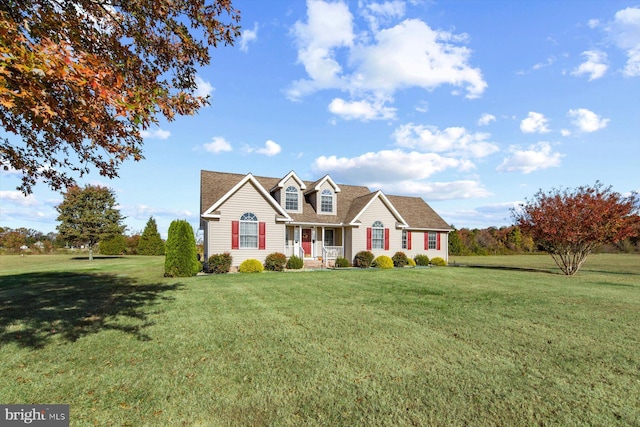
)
(295, 263)
(342, 262)
(411, 262)
(363, 259)
(383, 262)
(251, 266)
(400, 259)
(181, 258)
(421, 260)
(275, 262)
(220, 263)
(150, 242)
(116, 245)
(437, 261)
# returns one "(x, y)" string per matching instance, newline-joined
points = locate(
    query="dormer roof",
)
(316, 186)
(283, 181)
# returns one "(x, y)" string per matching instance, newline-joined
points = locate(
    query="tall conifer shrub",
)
(181, 258)
(150, 241)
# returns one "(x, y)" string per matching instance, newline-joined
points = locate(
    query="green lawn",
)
(502, 341)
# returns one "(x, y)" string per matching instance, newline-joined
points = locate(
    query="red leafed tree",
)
(570, 224)
(79, 79)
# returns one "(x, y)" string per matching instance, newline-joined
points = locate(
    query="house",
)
(251, 217)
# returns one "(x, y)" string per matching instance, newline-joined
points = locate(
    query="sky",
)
(472, 105)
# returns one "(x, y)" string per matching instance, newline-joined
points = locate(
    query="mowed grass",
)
(511, 343)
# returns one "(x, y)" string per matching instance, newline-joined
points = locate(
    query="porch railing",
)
(330, 253)
(294, 250)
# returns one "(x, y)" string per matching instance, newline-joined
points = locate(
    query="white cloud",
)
(464, 189)
(387, 166)
(593, 23)
(329, 26)
(217, 145)
(565, 132)
(247, 37)
(550, 60)
(361, 110)
(534, 123)
(485, 119)
(204, 88)
(455, 140)
(538, 156)
(587, 121)
(270, 149)
(16, 197)
(595, 66)
(625, 32)
(377, 13)
(381, 61)
(156, 134)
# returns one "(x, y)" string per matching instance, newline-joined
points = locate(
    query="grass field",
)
(503, 341)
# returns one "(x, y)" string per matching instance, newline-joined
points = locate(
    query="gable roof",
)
(318, 184)
(411, 212)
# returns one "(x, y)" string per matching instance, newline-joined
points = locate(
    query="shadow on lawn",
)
(34, 307)
(510, 268)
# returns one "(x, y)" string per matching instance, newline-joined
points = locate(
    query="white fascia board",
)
(328, 179)
(248, 178)
(293, 175)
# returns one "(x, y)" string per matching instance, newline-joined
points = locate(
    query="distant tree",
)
(115, 245)
(455, 243)
(132, 244)
(88, 215)
(13, 240)
(181, 258)
(79, 79)
(150, 242)
(570, 224)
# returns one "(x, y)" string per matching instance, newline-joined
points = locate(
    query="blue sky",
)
(472, 105)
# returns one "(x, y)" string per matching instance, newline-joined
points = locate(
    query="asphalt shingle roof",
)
(350, 201)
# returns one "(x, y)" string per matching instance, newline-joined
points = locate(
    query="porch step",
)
(313, 264)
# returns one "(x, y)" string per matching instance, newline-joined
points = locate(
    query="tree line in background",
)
(20, 240)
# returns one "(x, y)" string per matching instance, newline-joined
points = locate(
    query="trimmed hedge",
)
(421, 260)
(275, 261)
(295, 263)
(363, 259)
(342, 262)
(437, 261)
(220, 263)
(400, 259)
(411, 262)
(383, 262)
(251, 266)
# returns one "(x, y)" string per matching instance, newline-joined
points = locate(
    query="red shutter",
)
(408, 240)
(235, 234)
(262, 244)
(369, 233)
(386, 239)
(438, 241)
(426, 240)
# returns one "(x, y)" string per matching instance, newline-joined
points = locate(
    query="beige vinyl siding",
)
(377, 211)
(417, 245)
(246, 199)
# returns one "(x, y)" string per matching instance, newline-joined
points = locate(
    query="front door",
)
(306, 241)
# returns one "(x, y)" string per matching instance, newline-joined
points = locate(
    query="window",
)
(433, 240)
(404, 240)
(328, 237)
(291, 198)
(326, 201)
(248, 231)
(377, 235)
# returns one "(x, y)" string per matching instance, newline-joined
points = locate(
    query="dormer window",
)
(326, 201)
(291, 198)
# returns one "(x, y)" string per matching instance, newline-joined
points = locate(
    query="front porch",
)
(314, 242)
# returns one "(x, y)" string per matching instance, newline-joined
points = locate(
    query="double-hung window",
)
(326, 201)
(248, 231)
(377, 235)
(291, 198)
(433, 240)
